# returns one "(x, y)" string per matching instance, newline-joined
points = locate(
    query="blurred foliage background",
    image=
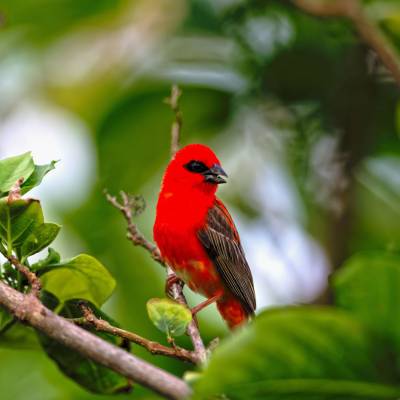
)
(304, 118)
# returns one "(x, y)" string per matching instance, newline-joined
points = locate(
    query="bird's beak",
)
(215, 174)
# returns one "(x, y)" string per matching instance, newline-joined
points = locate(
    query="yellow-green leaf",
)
(169, 316)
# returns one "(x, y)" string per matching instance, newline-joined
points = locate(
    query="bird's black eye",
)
(196, 166)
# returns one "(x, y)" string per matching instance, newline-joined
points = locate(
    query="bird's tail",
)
(232, 312)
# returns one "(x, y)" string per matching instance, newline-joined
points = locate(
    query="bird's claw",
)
(171, 281)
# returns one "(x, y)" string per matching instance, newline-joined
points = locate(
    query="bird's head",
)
(195, 166)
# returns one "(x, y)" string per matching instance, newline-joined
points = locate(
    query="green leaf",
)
(18, 220)
(82, 277)
(299, 353)
(13, 168)
(40, 238)
(368, 285)
(87, 373)
(169, 316)
(37, 176)
(44, 265)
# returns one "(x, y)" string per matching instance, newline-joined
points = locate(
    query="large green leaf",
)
(37, 176)
(18, 220)
(13, 168)
(87, 373)
(298, 353)
(82, 277)
(368, 285)
(40, 238)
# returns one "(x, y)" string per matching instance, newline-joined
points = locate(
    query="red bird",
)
(197, 237)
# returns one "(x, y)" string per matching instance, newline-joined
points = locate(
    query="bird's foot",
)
(172, 280)
(205, 303)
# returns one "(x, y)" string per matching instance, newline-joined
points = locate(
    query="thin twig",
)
(153, 347)
(177, 289)
(33, 280)
(173, 102)
(134, 234)
(199, 354)
(138, 239)
(192, 329)
(368, 31)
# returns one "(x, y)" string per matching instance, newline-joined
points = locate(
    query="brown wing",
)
(222, 243)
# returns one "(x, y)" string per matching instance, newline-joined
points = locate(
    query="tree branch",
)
(28, 308)
(368, 31)
(89, 318)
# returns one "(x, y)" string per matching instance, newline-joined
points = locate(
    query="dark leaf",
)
(88, 374)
